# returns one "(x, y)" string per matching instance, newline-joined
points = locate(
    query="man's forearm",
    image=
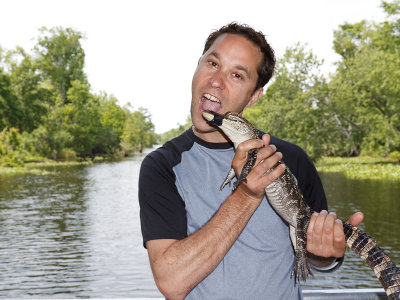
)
(187, 262)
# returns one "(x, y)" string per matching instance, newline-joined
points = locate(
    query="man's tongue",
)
(211, 105)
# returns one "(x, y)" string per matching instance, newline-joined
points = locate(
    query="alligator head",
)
(235, 127)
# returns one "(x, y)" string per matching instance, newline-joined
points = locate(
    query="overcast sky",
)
(145, 52)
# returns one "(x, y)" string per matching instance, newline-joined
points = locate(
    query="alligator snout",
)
(212, 117)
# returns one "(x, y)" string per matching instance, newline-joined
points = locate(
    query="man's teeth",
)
(211, 98)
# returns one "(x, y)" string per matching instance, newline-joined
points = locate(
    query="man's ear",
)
(256, 95)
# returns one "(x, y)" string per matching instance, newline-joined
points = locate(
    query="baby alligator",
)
(285, 197)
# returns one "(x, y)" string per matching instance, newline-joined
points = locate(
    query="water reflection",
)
(76, 232)
(119, 266)
(42, 222)
(379, 200)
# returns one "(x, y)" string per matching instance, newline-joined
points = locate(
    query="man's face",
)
(224, 80)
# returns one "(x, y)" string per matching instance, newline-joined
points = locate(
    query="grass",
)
(39, 168)
(43, 166)
(361, 167)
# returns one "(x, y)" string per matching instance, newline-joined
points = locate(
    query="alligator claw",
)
(301, 268)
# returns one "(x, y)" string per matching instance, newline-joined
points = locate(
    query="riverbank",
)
(40, 168)
(43, 166)
(361, 167)
(351, 167)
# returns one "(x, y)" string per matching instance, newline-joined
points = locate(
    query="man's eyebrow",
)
(215, 54)
(243, 69)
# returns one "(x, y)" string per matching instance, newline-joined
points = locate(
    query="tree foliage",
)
(32, 96)
(61, 58)
(112, 122)
(48, 110)
(9, 113)
(139, 130)
(290, 108)
(365, 90)
(170, 134)
(356, 110)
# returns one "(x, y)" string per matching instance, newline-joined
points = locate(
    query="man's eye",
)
(212, 63)
(238, 76)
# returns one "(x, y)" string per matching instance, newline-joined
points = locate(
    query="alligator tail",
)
(383, 267)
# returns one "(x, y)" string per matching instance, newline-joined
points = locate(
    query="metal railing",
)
(345, 294)
(332, 294)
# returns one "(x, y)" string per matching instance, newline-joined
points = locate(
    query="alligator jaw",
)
(212, 117)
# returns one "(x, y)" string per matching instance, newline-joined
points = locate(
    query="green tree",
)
(81, 118)
(170, 134)
(72, 127)
(47, 98)
(139, 130)
(291, 107)
(112, 118)
(33, 97)
(61, 58)
(12, 151)
(9, 110)
(365, 90)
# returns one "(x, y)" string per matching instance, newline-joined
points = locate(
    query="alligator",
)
(286, 198)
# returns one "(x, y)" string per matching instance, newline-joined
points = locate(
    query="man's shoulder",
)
(172, 150)
(303, 168)
(293, 155)
(287, 148)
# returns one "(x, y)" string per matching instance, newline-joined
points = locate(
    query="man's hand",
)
(267, 157)
(325, 235)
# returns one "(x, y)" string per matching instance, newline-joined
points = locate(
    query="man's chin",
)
(203, 127)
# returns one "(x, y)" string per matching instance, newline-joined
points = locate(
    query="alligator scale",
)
(285, 197)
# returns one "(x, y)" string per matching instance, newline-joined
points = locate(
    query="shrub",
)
(395, 155)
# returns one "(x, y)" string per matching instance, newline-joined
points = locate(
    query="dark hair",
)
(266, 68)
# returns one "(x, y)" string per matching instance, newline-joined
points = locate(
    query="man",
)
(209, 244)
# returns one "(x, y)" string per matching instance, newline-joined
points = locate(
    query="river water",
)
(74, 232)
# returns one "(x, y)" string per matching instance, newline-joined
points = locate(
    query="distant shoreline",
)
(351, 167)
(40, 167)
(361, 167)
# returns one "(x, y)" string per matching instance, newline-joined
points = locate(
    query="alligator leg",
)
(248, 166)
(228, 178)
(292, 234)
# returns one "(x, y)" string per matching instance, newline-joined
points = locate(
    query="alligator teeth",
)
(211, 98)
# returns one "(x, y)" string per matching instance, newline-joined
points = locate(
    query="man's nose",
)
(217, 80)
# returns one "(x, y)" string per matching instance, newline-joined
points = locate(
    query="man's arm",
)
(179, 265)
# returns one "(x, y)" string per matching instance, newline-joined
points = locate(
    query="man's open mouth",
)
(210, 102)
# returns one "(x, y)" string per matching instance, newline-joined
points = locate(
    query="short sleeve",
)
(162, 210)
(310, 184)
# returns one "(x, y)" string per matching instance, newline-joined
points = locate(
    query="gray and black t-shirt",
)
(179, 192)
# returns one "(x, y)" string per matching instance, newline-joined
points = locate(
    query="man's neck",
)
(214, 136)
